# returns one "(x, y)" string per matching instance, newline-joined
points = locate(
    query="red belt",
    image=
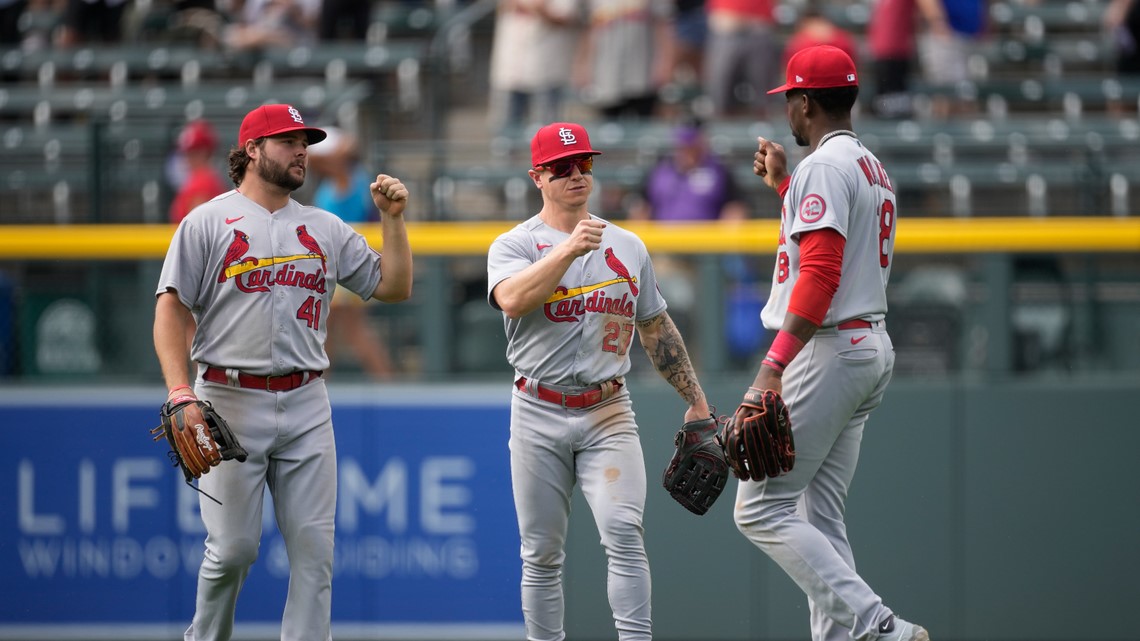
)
(855, 324)
(282, 383)
(572, 401)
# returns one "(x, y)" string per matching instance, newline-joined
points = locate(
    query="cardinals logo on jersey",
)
(568, 305)
(310, 243)
(236, 253)
(619, 268)
(256, 275)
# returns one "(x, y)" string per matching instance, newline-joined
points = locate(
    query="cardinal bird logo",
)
(236, 253)
(619, 268)
(310, 243)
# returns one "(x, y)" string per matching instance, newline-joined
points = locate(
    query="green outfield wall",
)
(986, 510)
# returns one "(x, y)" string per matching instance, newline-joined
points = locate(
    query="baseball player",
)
(574, 289)
(255, 271)
(831, 357)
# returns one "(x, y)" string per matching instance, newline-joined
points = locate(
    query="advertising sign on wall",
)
(100, 538)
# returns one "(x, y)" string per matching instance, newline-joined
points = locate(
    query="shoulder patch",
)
(812, 208)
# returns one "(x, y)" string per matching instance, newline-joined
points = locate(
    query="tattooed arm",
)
(666, 349)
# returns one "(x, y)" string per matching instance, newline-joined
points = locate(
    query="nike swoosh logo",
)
(542, 246)
(230, 221)
(855, 340)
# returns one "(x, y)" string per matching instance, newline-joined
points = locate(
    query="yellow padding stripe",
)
(919, 235)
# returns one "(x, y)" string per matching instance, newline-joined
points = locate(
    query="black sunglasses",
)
(563, 168)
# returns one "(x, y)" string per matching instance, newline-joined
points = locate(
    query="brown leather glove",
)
(757, 439)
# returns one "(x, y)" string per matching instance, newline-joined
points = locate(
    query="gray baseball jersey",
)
(583, 332)
(841, 185)
(831, 387)
(260, 284)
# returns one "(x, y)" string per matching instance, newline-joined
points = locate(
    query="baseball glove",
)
(199, 438)
(757, 439)
(697, 472)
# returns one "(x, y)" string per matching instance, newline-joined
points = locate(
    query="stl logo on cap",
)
(567, 136)
(559, 140)
(271, 120)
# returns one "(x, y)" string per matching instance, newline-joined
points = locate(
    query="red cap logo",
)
(559, 140)
(819, 67)
(270, 120)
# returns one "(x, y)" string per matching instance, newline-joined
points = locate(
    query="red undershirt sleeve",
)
(821, 261)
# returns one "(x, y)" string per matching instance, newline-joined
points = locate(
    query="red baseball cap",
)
(819, 67)
(559, 140)
(197, 134)
(270, 120)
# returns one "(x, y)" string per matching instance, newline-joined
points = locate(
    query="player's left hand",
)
(389, 194)
(698, 411)
(199, 437)
(697, 473)
(769, 378)
(757, 440)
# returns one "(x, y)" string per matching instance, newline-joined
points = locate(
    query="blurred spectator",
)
(691, 183)
(342, 181)
(892, 41)
(945, 47)
(187, 5)
(691, 28)
(199, 22)
(1122, 23)
(10, 12)
(892, 44)
(200, 178)
(37, 21)
(92, 21)
(343, 189)
(814, 28)
(627, 56)
(259, 24)
(531, 56)
(195, 176)
(741, 57)
(694, 184)
(345, 19)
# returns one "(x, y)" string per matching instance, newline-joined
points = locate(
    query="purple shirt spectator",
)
(691, 184)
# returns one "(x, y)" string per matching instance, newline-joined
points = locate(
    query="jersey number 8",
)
(886, 224)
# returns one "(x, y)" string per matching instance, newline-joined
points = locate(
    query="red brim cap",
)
(270, 120)
(559, 140)
(197, 134)
(819, 67)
